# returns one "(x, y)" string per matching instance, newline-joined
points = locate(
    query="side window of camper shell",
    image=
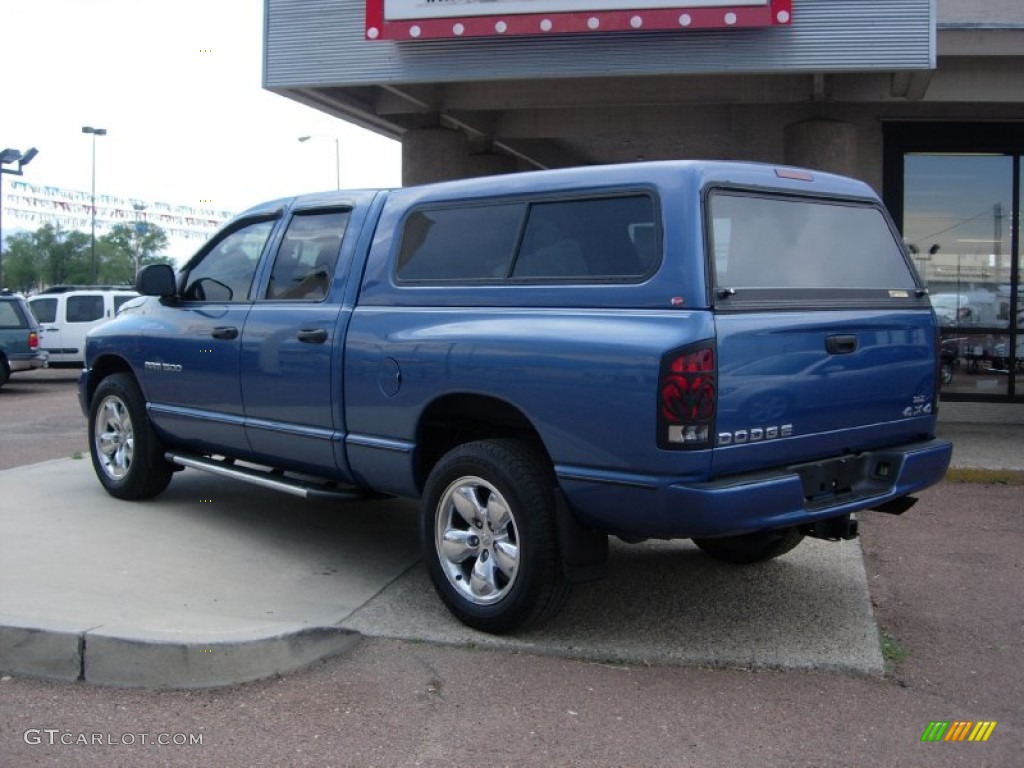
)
(614, 237)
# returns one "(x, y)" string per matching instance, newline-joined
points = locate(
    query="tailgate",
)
(826, 342)
(856, 380)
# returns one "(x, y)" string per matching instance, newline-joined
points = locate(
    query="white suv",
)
(67, 312)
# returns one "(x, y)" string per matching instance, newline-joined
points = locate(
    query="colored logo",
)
(958, 730)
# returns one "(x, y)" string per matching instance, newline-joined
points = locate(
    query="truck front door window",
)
(225, 273)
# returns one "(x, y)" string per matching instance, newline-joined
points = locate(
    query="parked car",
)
(66, 313)
(19, 337)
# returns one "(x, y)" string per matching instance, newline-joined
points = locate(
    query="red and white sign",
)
(432, 19)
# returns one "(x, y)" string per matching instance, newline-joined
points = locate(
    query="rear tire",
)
(488, 535)
(751, 547)
(5, 371)
(127, 455)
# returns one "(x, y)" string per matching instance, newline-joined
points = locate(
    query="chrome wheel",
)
(114, 437)
(477, 540)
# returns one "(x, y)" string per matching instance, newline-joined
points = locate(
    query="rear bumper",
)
(27, 362)
(777, 498)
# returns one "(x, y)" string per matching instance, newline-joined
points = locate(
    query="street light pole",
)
(337, 155)
(95, 132)
(337, 164)
(9, 157)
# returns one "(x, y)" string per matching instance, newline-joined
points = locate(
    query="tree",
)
(49, 256)
(127, 248)
(55, 256)
(21, 266)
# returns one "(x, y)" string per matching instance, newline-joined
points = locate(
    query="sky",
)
(177, 86)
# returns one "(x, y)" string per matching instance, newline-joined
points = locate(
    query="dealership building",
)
(922, 99)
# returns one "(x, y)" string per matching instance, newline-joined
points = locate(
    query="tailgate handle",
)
(840, 345)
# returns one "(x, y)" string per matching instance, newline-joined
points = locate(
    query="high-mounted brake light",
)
(794, 174)
(687, 398)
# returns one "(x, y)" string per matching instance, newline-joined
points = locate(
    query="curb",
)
(100, 656)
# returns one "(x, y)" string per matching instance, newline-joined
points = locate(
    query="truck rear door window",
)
(764, 242)
(306, 260)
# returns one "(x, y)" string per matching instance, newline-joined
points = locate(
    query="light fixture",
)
(9, 157)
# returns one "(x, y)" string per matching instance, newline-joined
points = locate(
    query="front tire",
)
(488, 535)
(126, 453)
(751, 547)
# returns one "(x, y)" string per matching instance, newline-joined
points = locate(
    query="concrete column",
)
(827, 145)
(489, 164)
(433, 154)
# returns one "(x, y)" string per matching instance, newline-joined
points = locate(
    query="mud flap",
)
(584, 551)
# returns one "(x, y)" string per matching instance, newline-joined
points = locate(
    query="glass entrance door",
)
(958, 202)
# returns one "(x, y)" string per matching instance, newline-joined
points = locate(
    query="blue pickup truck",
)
(735, 353)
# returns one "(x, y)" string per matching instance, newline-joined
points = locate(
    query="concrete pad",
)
(667, 603)
(124, 656)
(42, 647)
(210, 561)
(217, 582)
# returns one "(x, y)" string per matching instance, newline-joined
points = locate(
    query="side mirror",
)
(156, 280)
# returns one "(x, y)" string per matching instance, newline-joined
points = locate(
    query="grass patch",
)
(893, 654)
(77, 456)
(985, 476)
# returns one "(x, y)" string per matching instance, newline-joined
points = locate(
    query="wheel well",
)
(102, 368)
(456, 419)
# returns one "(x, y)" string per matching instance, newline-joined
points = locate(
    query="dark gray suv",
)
(19, 337)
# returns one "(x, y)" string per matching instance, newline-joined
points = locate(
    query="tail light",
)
(687, 394)
(33, 340)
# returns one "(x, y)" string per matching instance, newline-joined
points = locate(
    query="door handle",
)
(840, 345)
(317, 336)
(224, 332)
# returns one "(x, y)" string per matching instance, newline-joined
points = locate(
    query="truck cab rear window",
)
(781, 243)
(606, 238)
